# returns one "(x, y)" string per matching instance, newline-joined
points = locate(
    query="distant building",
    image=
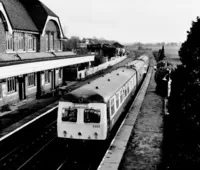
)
(120, 48)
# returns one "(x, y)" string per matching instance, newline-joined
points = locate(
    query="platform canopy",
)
(20, 69)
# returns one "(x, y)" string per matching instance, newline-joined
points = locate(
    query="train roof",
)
(102, 88)
(136, 64)
(144, 58)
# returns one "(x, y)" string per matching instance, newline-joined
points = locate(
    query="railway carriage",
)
(91, 111)
(145, 58)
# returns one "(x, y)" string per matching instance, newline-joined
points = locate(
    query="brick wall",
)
(9, 98)
(2, 37)
(51, 27)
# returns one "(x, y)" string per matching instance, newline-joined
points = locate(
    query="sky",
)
(127, 21)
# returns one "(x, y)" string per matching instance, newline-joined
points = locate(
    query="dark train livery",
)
(91, 111)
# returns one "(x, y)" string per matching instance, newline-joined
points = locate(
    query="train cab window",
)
(69, 114)
(92, 116)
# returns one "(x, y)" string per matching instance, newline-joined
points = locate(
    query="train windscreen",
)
(69, 115)
(92, 116)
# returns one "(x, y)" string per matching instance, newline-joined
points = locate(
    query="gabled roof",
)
(39, 17)
(118, 45)
(18, 15)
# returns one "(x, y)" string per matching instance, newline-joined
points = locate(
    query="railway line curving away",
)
(46, 151)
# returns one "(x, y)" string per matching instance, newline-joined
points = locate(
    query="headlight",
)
(64, 133)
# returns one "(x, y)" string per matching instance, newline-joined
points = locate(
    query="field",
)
(171, 53)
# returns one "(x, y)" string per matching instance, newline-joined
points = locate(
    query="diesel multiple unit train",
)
(91, 111)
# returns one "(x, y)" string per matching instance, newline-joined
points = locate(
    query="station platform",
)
(22, 112)
(137, 145)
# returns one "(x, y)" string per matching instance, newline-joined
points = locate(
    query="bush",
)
(162, 77)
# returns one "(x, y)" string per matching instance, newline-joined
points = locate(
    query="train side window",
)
(69, 114)
(134, 81)
(112, 106)
(92, 116)
(127, 85)
(121, 96)
(125, 92)
(131, 84)
(117, 100)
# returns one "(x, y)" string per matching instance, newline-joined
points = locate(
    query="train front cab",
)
(82, 121)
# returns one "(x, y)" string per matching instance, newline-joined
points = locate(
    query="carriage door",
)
(39, 85)
(53, 79)
(22, 87)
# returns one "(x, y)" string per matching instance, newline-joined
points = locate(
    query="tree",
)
(190, 50)
(71, 43)
(184, 101)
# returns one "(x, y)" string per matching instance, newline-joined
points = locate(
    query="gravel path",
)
(144, 150)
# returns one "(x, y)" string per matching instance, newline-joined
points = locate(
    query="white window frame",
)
(47, 41)
(60, 45)
(11, 85)
(19, 42)
(31, 42)
(9, 42)
(50, 41)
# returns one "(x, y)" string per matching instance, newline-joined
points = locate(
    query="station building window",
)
(19, 41)
(60, 45)
(9, 41)
(47, 76)
(11, 85)
(31, 42)
(31, 80)
(49, 41)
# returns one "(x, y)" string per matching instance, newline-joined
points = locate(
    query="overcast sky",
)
(127, 21)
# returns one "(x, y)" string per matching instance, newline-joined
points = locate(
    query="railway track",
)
(25, 150)
(45, 151)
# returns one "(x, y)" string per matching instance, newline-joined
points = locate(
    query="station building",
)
(31, 51)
